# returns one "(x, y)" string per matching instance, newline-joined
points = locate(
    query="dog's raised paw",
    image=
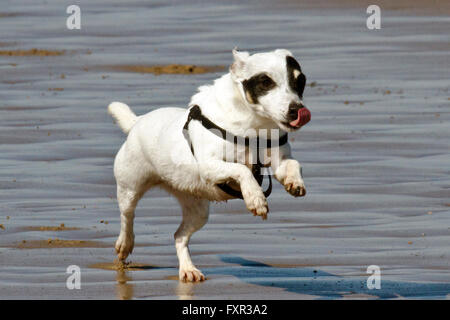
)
(191, 275)
(297, 189)
(257, 205)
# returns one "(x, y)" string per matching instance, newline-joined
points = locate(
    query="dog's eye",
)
(257, 86)
(267, 82)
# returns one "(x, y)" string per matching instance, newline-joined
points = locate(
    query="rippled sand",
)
(375, 155)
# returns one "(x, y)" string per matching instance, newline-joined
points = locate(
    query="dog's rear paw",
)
(124, 246)
(257, 204)
(191, 275)
(295, 188)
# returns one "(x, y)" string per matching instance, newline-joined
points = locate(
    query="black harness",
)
(196, 114)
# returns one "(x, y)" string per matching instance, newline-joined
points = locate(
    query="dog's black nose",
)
(293, 110)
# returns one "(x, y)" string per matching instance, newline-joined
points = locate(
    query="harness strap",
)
(196, 114)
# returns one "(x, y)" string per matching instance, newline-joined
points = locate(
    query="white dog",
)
(182, 150)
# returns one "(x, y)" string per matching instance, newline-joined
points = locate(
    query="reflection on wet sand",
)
(185, 290)
(124, 289)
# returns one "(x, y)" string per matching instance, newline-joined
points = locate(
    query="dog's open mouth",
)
(303, 117)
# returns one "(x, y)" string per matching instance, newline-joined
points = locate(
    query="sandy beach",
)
(375, 156)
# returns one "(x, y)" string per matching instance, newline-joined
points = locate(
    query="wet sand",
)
(31, 52)
(168, 69)
(375, 155)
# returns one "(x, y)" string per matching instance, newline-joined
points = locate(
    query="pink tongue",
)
(303, 118)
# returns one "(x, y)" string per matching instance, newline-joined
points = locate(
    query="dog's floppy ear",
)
(238, 65)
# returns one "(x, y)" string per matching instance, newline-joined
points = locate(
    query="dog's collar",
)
(195, 113)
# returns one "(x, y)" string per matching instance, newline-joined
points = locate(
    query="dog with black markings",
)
(182, 150)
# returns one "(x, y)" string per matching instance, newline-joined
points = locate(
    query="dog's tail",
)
(123, 115)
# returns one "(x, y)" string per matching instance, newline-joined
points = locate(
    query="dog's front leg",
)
(216, 171)
(288, 172)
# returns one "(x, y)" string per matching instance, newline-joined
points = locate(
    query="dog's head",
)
(272, 84)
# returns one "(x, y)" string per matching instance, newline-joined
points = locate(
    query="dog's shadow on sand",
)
(317, 283)
(301, 280)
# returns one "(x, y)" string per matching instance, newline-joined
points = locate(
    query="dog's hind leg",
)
(195, 216)
(134, 176)
(127, 199)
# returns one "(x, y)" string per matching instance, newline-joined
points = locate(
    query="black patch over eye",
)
(267, 82)
(257, 86)
(296, 84)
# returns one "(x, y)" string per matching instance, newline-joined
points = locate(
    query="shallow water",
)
(376, 156)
